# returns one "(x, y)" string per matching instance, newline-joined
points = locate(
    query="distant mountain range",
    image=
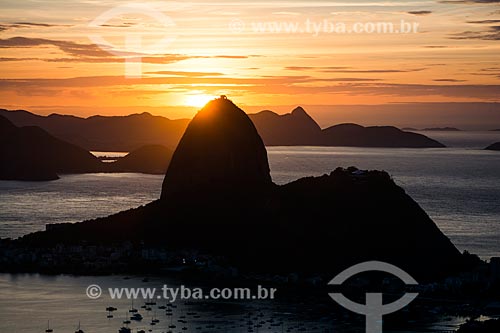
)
(100, 133)
(127, 133)
(31, 153)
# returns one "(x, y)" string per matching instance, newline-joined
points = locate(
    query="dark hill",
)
(495, 146)
(296, 128)
(353, 135)
(313, 225)
(220, 153)
(151, 159)
(30, 153)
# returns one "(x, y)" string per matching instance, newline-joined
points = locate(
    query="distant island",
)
(495, 146)
(127, 133)
(150, 159)
(436, 129)
(31, 154)
(477, 326)
(442, 129)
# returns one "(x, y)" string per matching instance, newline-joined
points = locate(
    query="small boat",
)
(163, 307)
(79, 330)
(136, 317)
(48, 330)
(126, 321)
(132, 309)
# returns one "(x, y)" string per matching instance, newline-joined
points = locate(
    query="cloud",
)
(161, 59)
(185, 74)
(311, 68)
(17, 25)
(107, 81)
(492, 71)
(348, 79)
(72, 48)
(91, 53)
(33, 24)
(420, 12)
(484, 22)
(449, 80)
(469, 1)
(233, 56)
(350, 70)
(285, 85)
(376, 71)
(122, 25)
(493, 33)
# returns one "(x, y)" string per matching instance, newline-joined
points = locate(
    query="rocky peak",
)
(220, 154)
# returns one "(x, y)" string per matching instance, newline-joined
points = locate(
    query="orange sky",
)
(50, 62)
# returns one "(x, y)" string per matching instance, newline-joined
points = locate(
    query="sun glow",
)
(198, 100)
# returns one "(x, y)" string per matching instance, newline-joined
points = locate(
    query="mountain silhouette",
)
(220, 153)
(30, 153)
(99, 133)
(296, 128)
(315, 225)
(150, 159)
(127, 133)
(352, 135)
(494, 146)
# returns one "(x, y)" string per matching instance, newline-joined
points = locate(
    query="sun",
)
(198, 100)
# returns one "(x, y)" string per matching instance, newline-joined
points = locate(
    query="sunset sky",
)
(50, 63)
